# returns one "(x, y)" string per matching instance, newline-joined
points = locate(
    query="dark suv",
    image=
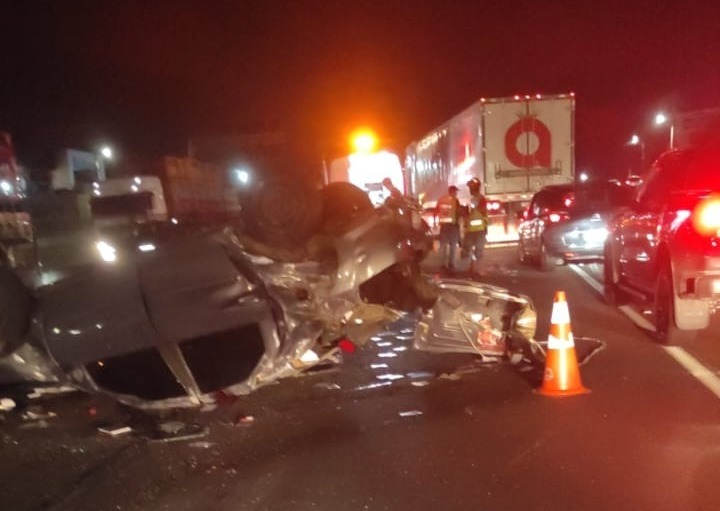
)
(665, 247)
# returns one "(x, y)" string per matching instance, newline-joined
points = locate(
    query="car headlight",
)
(107, 251)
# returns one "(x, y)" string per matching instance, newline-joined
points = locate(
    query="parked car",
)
(566, 223)
(665, 246)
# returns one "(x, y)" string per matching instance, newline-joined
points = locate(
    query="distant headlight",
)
(107, 251)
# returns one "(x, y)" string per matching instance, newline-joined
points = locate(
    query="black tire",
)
(16, 304)
(522, 254)
(284, 211)
(342, 203)
(612, 293)
(666, 331)
(545, 261)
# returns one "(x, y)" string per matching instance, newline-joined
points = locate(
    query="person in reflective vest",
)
(448, 213)
(476, 225)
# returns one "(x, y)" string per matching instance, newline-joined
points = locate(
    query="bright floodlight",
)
(364, 141)
(583, 177)
(634, 140)
(242, 175)
(106, 152)
(660, 118)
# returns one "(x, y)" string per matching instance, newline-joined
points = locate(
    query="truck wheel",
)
(666, 330)
(16, 304)
(284, 212)
(612, 293)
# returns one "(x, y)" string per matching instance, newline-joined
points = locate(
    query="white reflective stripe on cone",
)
(560, 313)
(558, 344)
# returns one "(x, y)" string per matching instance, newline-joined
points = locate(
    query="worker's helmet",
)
(474, 183)
(452, 188)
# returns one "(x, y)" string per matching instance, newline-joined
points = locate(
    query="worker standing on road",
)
(476, 225)
(448, 213)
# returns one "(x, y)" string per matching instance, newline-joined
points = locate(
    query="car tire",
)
(612, 293)
(545, 261)
(342, 203)
(522, 254)
(284, 212)
(666, 330)
(16, 304)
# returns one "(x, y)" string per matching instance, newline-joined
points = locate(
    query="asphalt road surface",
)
(394, 429)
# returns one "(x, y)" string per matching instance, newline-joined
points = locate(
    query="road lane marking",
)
(637, 318)
(695, 368)
(692, 365)
(587, 278)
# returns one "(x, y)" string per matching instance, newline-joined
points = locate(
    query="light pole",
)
(636, 141)
(660, 119)
(104, 154)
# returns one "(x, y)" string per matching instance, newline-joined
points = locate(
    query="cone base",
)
(562, 393)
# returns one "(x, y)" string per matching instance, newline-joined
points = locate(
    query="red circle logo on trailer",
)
(528, 143)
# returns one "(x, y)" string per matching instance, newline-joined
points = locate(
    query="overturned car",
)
(226, 310)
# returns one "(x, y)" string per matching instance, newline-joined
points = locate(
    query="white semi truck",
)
(514, 146)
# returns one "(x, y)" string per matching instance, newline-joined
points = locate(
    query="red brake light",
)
(706, 216)
(554, 217)
(568, 200)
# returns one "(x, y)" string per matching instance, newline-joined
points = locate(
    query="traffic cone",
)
(562, 375)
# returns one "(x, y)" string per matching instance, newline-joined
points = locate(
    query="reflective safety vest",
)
(447, 210)
(477, 218)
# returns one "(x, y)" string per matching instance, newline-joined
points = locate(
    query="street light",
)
(106, 152)
(583, 177)
(636, 141)
(660, 119)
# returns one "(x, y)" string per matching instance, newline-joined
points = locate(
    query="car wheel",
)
(285, 211)
(522, 254)
(342, 203)
(16, 304)
(666, 330)
(545, 261)
(611, 291)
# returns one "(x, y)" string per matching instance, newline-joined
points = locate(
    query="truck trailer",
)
(514, 146)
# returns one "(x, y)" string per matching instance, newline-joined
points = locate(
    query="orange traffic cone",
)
(562, 375)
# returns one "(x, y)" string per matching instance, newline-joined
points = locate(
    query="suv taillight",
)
(706, 216)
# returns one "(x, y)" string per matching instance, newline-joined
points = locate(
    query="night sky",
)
(146, 75)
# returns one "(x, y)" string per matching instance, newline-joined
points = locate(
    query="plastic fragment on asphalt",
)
(35, 413)
(420, 383)
(347, 346)
(451, 377)
(43, 391)
(115, 429)
(6, 404)
(410, 413)
(420, 374)
(175, 431)
(390, 377)
(371, 386)
(244, 420)
(202, 445)
(327, 386)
